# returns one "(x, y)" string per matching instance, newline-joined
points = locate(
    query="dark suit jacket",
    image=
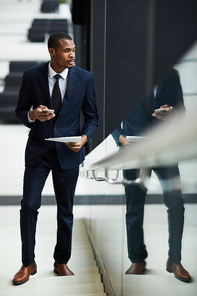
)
(80, 96)
(168, 92)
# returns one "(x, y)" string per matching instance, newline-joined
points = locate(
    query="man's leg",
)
(135, 199)
(170, 181)
(171, 184)
(64, 186)
(34, 180)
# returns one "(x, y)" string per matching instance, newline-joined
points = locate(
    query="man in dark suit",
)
(69, 90)
(167, 96)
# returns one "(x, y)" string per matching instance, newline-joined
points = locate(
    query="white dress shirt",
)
(62, 80)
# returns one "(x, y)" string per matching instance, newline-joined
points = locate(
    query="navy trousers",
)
(64, 182)
(169, 178)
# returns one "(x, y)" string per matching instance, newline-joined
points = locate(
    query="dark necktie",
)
(56, 96)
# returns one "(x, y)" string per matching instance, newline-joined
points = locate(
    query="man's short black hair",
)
(55, 38)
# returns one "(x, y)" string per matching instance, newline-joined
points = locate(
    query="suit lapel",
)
(45, 83)
(159, 90)
(72, 79)
(159, 96)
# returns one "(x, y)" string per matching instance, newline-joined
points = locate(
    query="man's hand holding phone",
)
(48, 111)
(42, 113)
(165, 113)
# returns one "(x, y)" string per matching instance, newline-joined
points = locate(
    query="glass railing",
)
(174, 141)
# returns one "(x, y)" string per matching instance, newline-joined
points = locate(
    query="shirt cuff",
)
(29, 120)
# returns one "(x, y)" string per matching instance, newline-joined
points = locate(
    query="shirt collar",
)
(52, 73)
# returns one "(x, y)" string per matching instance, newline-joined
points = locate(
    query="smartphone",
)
(50, 111)
(161, 110)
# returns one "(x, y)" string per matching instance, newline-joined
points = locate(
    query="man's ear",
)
(52, 51)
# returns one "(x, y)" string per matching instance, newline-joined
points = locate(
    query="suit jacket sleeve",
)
(24, 103)
(89, 111)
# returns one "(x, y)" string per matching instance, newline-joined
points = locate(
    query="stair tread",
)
(177, 288)
(80, 264)
(55, 280)
(23, 290)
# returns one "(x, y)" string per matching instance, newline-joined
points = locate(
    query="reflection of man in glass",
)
(166, 95)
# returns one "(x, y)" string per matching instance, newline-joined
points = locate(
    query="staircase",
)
(85, 282)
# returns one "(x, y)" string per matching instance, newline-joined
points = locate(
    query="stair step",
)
(37, 281)
(81, 246)
(73, 265)
(25, 290)
(86, 270)
(89, 271)
(150, 287)
(47, 262)
(82, 251)
(84, 257)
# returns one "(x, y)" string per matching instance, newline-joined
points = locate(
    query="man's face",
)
(63, 56)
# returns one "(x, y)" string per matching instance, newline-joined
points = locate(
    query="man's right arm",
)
(24, 103)
(39, 114)
(123, 140)
(23, 109)
(119, 138)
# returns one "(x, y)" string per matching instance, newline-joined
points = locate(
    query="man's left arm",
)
(89, 111)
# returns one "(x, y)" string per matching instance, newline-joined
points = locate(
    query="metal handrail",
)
(165, 145)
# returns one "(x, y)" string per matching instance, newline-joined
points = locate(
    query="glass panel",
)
(106, 218)
(156, 231)
(107, 222)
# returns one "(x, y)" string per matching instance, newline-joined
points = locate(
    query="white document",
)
(132, 139)
(65, 139)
